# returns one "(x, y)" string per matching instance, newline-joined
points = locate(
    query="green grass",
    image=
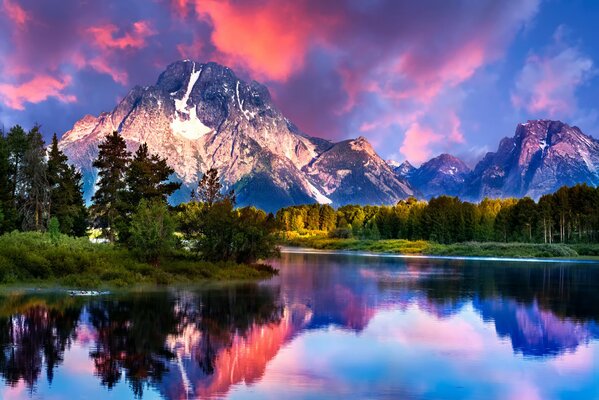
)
(36, 258)
(475, 249)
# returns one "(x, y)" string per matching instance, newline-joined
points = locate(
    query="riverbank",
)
(468, 249)
(43, 260)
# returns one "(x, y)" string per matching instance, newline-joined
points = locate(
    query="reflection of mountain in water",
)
(200, 343)
(533, 331)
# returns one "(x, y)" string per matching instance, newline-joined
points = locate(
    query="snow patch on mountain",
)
(319, 197)
(186, 122)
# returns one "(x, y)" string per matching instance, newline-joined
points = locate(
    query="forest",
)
(570, 215)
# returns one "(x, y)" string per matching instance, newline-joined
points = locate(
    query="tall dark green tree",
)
(148, 178)
(15, 144)
(6, 200)
(66, 192)
(112, 163)
(34, 207)
(210, 189)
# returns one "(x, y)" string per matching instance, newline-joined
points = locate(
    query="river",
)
(329, 326)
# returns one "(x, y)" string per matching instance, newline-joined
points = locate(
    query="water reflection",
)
(243, 339)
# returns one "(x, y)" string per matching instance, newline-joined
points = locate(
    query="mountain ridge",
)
(200, 116)
(542, 156)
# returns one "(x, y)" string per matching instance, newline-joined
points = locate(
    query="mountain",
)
(201, 116)
(542, 157)
(403, 170)
(442, 175)
(351, 172)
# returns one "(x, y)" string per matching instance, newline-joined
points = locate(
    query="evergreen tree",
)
(112, 163)
(35, 183)
(209, 189)
(15, 145)
(66, 193)
(6, 200)
(147, 178)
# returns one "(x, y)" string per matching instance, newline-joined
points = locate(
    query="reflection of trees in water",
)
(131, 335)
(34, 333)
(133, 330)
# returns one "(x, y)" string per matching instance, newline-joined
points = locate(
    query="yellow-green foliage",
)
(76, 262)
(401, 246)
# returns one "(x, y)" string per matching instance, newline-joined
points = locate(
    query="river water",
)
(329, 326)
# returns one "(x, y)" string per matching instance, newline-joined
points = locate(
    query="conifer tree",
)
(66, 192)
(6, 200)
(34, 207)
(147, 178)
(112, 163)
(16, 146)
(209, 189)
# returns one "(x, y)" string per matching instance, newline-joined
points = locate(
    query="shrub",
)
(152, 231)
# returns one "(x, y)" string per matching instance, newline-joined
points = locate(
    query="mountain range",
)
(202, 116)
(540, 158)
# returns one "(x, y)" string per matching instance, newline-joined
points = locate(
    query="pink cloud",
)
(101, 65)
(193, 50)
(15, 12)
(36, 90)
(269, 38)
(455, 134)
(417, 141)
(548, 82)
(104, 36)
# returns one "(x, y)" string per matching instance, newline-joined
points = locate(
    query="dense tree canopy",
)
(109, 199)
(569, 215)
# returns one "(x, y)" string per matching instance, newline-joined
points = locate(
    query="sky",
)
(416, 78)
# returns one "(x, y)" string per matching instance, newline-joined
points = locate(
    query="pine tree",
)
(209, 189)
(112, 163)
(66, 192)
(35, 183)
(147, 178)
(16, 146)
(6, 200)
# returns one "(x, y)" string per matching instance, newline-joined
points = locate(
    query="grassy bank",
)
(474, 249)
(38, 258)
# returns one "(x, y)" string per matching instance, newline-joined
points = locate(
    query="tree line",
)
(40, 191)
(38, 185)
(570, 215)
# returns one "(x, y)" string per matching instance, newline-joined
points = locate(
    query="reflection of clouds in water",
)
(332, 329)
(244, 360)
(413, 354)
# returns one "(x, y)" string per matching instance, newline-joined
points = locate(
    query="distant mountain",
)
(542, 157)
(201, 116)
(442, 175)
(404, 170)
(352, 172)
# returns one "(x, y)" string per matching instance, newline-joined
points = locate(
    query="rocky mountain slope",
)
(201, 116)
(542, 156)
(444, 174)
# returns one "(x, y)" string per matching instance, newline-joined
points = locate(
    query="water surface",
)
(330, 326)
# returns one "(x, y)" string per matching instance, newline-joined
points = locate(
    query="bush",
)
(152, 231)
(35, 256)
